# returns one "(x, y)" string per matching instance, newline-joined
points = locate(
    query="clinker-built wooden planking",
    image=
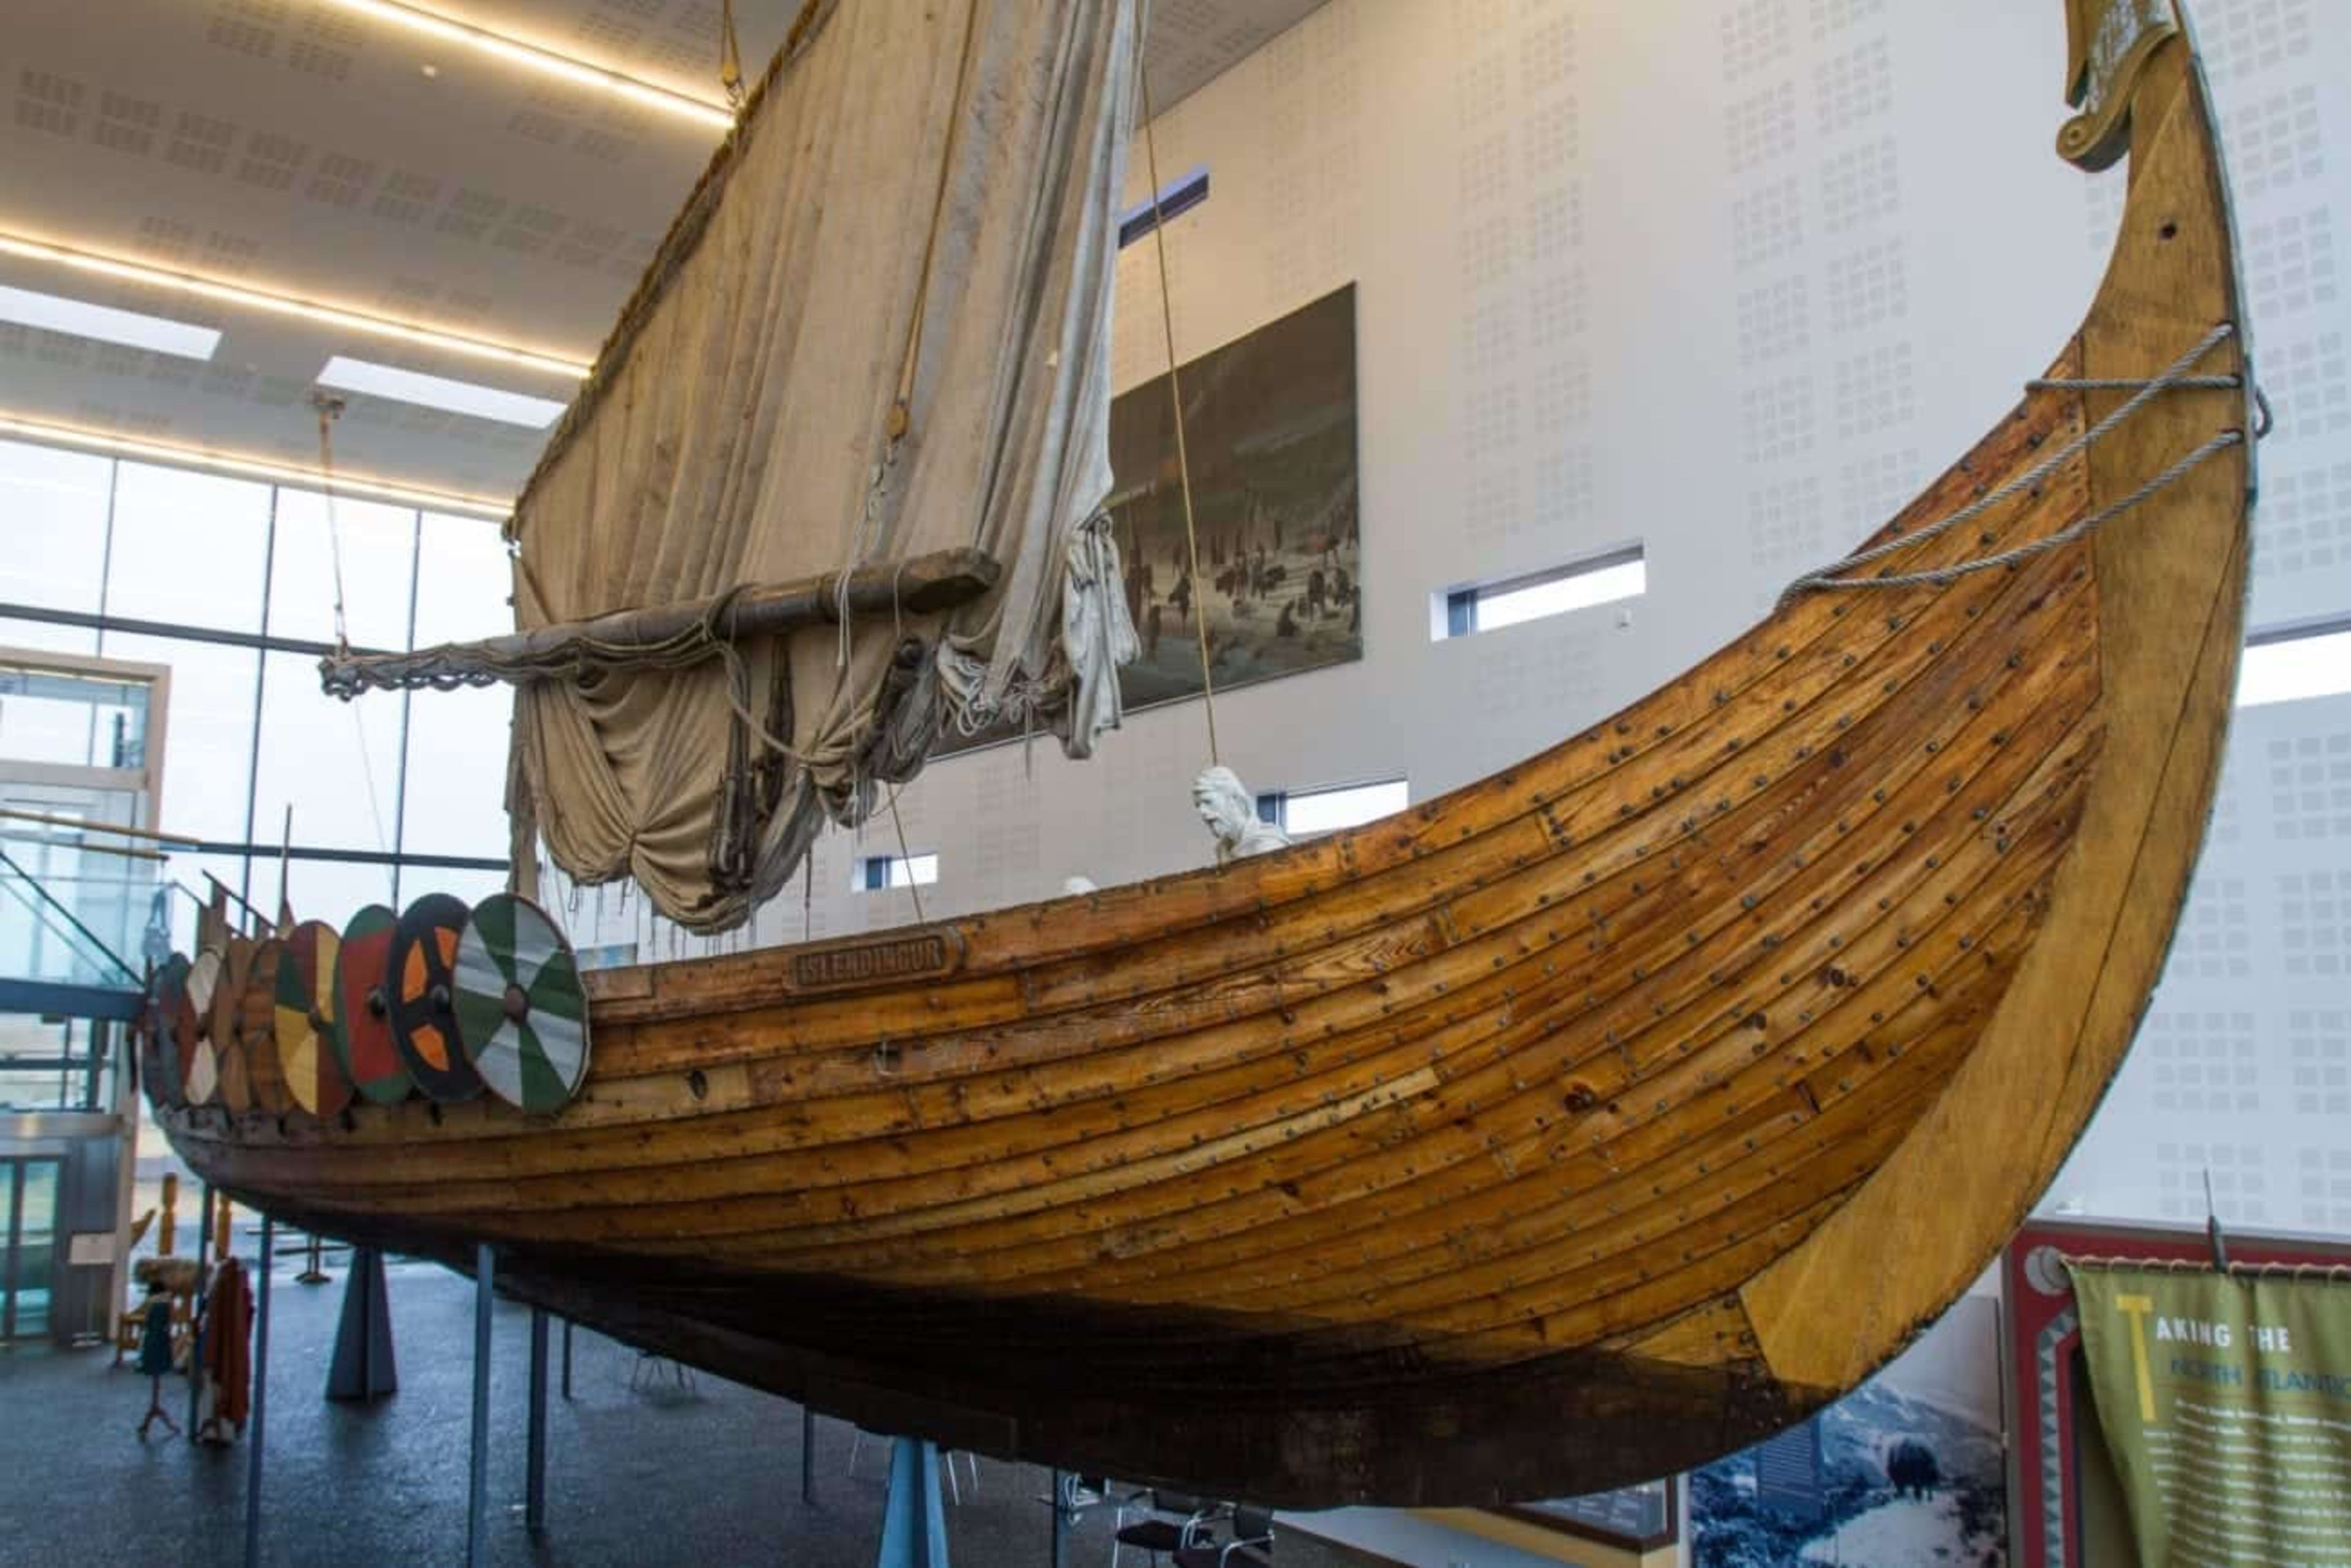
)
(1573, 1127)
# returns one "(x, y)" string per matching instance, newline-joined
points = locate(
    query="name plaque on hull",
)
(919, 956)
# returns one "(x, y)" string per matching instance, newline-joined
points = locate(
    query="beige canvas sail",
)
(880, 328)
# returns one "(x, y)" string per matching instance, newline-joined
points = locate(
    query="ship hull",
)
(1575, 1127)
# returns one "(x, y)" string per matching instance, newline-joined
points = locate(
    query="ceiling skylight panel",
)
(79, 318)
(345, 374)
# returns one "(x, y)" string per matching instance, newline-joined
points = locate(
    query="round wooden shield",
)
(256, 1022)
(362, 1013)
(228, 1032)
(159, 1054)
(306, 1004)
(423, 998)
(520, 1009)
(199, 1062)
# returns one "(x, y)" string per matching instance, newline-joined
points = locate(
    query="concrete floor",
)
(708, 1476)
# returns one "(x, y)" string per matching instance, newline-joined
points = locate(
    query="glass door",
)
(28, 1263)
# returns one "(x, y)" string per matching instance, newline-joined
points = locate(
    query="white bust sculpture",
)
(1230, 811)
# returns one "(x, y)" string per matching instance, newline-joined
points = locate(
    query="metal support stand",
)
(313, 1274)
(808, 1455)
(914, 1516)
(1063, 1515)
(567, 1358)
(204, 1291)
(363, 1366)
(477, 1485)
(534, 1507)
(257, 1423)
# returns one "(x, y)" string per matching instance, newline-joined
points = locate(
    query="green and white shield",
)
(520, 1009)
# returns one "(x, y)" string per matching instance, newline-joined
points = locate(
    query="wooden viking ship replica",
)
(1576, 1127)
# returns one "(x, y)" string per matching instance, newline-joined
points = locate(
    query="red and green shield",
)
(361, 1035)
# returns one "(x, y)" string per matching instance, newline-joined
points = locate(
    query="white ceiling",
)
(298, 147)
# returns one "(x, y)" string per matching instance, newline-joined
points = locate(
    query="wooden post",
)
(939, 581)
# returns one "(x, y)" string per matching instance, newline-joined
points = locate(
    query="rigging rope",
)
(329, 410)
(730, 57)
(1198, 596)
(905, 859)
(2177, 377)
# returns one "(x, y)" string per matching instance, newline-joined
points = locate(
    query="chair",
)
(1250, 1547)
(1161, 1536)
(947, 1458)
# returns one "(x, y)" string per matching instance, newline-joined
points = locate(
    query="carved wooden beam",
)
(922, 586)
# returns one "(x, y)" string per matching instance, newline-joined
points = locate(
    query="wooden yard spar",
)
(1575, 1127)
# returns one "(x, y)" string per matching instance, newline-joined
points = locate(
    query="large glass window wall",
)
(234, 587)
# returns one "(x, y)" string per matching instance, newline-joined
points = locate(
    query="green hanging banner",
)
(2226, 1402)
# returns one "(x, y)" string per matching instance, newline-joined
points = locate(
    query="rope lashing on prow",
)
(2177, 376)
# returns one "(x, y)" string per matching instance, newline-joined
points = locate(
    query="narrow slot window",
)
(876, 872)
(1308, 814)
(2287, 663)
(1604, 579)
(1178, 197)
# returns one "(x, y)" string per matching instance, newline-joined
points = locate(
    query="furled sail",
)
(879, 330)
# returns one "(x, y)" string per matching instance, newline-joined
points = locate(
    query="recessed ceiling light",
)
(246, 466)
(56, 313)
(546, 62)
(287, 305)
(345, 374)
(429, 69)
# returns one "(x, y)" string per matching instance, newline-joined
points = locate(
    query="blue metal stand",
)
(257, 1423)
(477, 1486)
(533, 1507)
(1063, 1517)
(914, 1518)
(363, 1366)
(808, 1455)
(567, 1358)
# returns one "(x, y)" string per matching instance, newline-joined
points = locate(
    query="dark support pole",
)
(808, 1455)
(363, 1366)
(203, 1290)
(477, 1486)
(1061, 1501)
(258, 1421)
(567, 1358)
(533, 1507)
